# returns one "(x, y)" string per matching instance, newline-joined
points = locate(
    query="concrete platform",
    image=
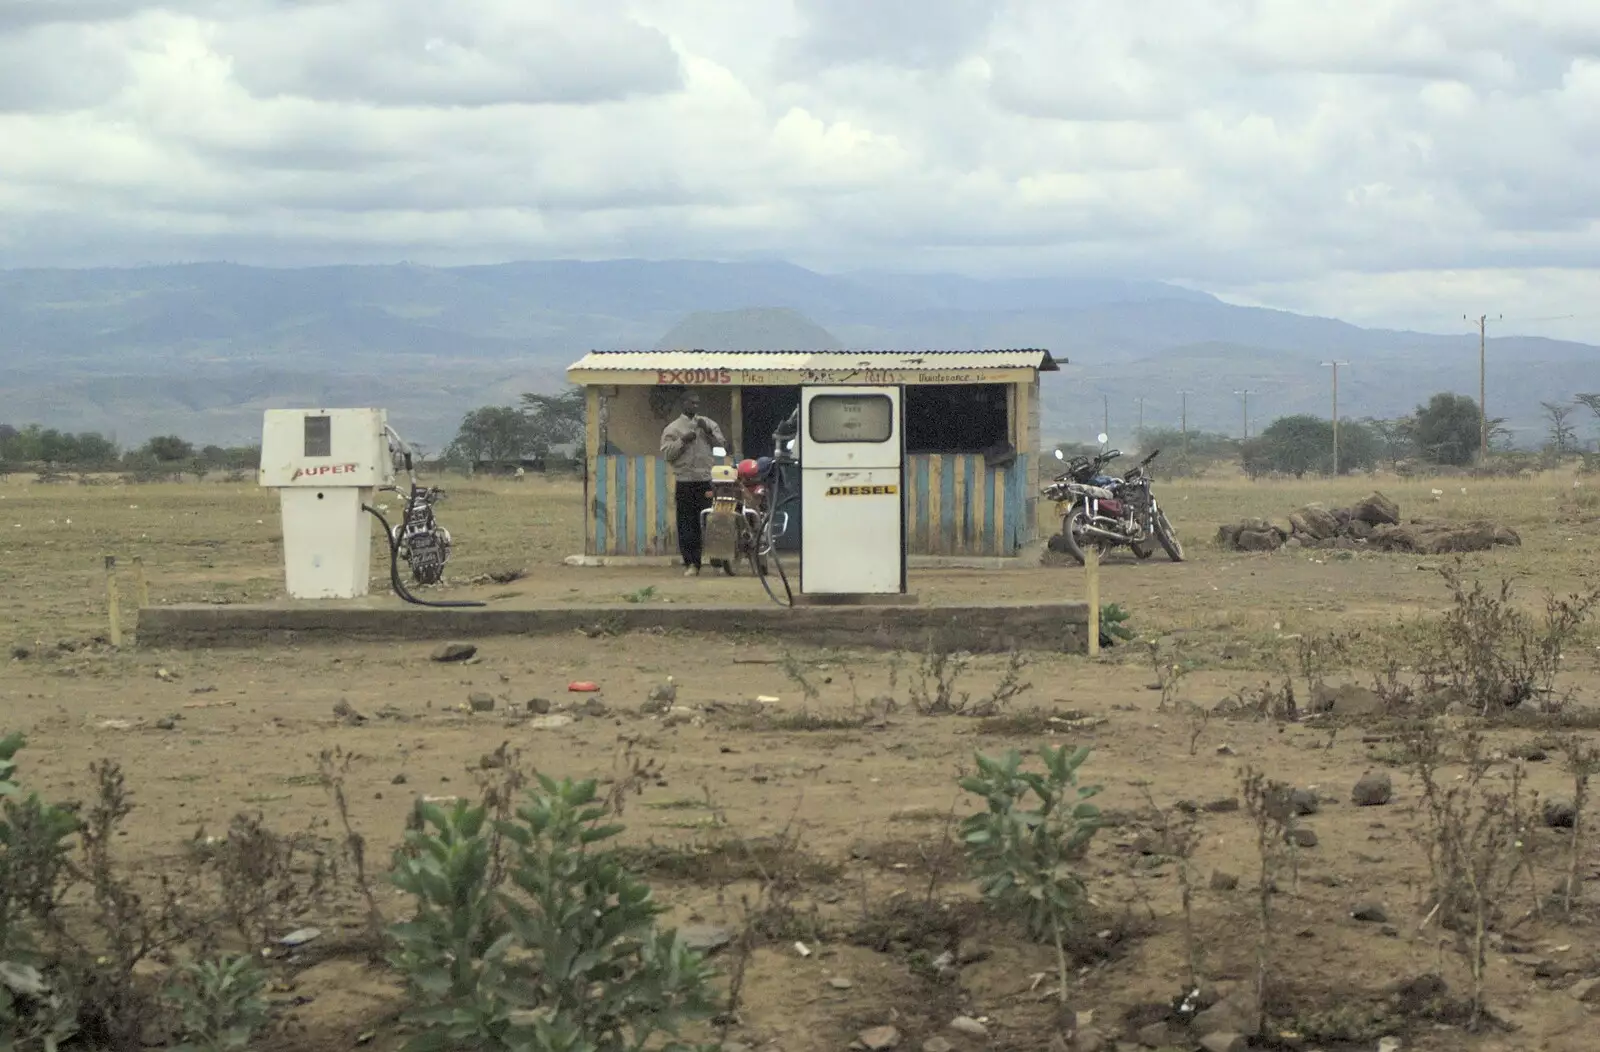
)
(988, 627)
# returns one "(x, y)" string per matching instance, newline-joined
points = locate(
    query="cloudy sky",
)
(1399, 162)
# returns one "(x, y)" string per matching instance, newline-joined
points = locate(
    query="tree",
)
(496, 433)
(1592, 401)
(1303, 443)
(1447, 429)
(1562, 434)
(169, 449)
(1295, 445)
(554, 420)
(1394, 438)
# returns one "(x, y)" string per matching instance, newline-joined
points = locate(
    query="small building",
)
(971, 425)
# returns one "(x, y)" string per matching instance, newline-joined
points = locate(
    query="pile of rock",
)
(1371, 523)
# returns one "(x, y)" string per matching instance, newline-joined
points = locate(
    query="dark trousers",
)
(692, 500)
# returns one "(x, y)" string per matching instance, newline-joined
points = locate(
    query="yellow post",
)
(1091, 573)
(113, 607)
(140, 585)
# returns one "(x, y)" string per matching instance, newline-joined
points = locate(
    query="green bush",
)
(568, 959)
(34, 1013)
(219, 1004)
(1022, 855)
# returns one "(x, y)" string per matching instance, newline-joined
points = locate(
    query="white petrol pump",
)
(325, 464)
(852, 490)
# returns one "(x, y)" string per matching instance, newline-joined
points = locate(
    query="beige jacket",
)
(691, 461)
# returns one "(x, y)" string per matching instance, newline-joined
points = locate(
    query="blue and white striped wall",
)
(955, 505)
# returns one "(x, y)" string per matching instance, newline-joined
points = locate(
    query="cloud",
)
(1303, 154)
(462, 53)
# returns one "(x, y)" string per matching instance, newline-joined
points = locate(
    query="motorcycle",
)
(1110, 512)
(417, 537)
(737, 527)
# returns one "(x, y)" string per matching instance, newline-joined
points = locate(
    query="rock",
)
(1358, 530)
(1258, 540)
(399, 779)
(1375, 510)
(1373, 789)
(453, 652)
(1435, 537)
(879, 1038)
(20, 653)
(938, 1044)
(1223, 1041)
(1585, 990)
(550, 722)
(1348, 699)
(1224, 806)
(1304, 801)
(839, 982)
(1389, 1044)
(1156, 1035)
(965, 1024)
(705, 938)
(664, 694)
(1228, 1016)
(1559, 813)
(593, 707)
(345, 713)
(538, 706)
(1088, 1039)
(1302, 837)
(1370, 913)
(1221, 881)
(481, 702)
(300, 937)
(1314, 521)
(166, 723)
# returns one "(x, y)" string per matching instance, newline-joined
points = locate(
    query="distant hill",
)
(201, 349)
(770, 328)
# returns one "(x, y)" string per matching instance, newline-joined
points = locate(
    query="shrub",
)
(568, 958)
(1021, 854)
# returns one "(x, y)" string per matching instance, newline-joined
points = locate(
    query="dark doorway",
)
(764, 409)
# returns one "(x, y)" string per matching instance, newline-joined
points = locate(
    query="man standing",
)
(686, 443)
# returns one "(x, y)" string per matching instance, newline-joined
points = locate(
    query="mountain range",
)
(200, 349)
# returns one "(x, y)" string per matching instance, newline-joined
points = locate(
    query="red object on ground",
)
(583, 687)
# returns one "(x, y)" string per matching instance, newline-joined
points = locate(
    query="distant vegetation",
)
(1441, 433)
(1444, 432)
(47, 450)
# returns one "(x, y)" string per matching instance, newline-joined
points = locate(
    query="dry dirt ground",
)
(867, 794)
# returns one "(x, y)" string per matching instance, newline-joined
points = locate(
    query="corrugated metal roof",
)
(781, 361)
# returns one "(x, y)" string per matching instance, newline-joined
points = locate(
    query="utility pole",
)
(1185, 424)
(1483, 401)
(1105, 427)
(1246, 411)
(1336, 365)
(1140, 433)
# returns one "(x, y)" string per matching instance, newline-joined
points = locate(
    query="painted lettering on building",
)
(693, 377)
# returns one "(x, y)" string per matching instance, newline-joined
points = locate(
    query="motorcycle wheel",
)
(1169, 539)
(1071, 523)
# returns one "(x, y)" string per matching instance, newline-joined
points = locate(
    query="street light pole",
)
(1185, 424)
(1336, 365)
